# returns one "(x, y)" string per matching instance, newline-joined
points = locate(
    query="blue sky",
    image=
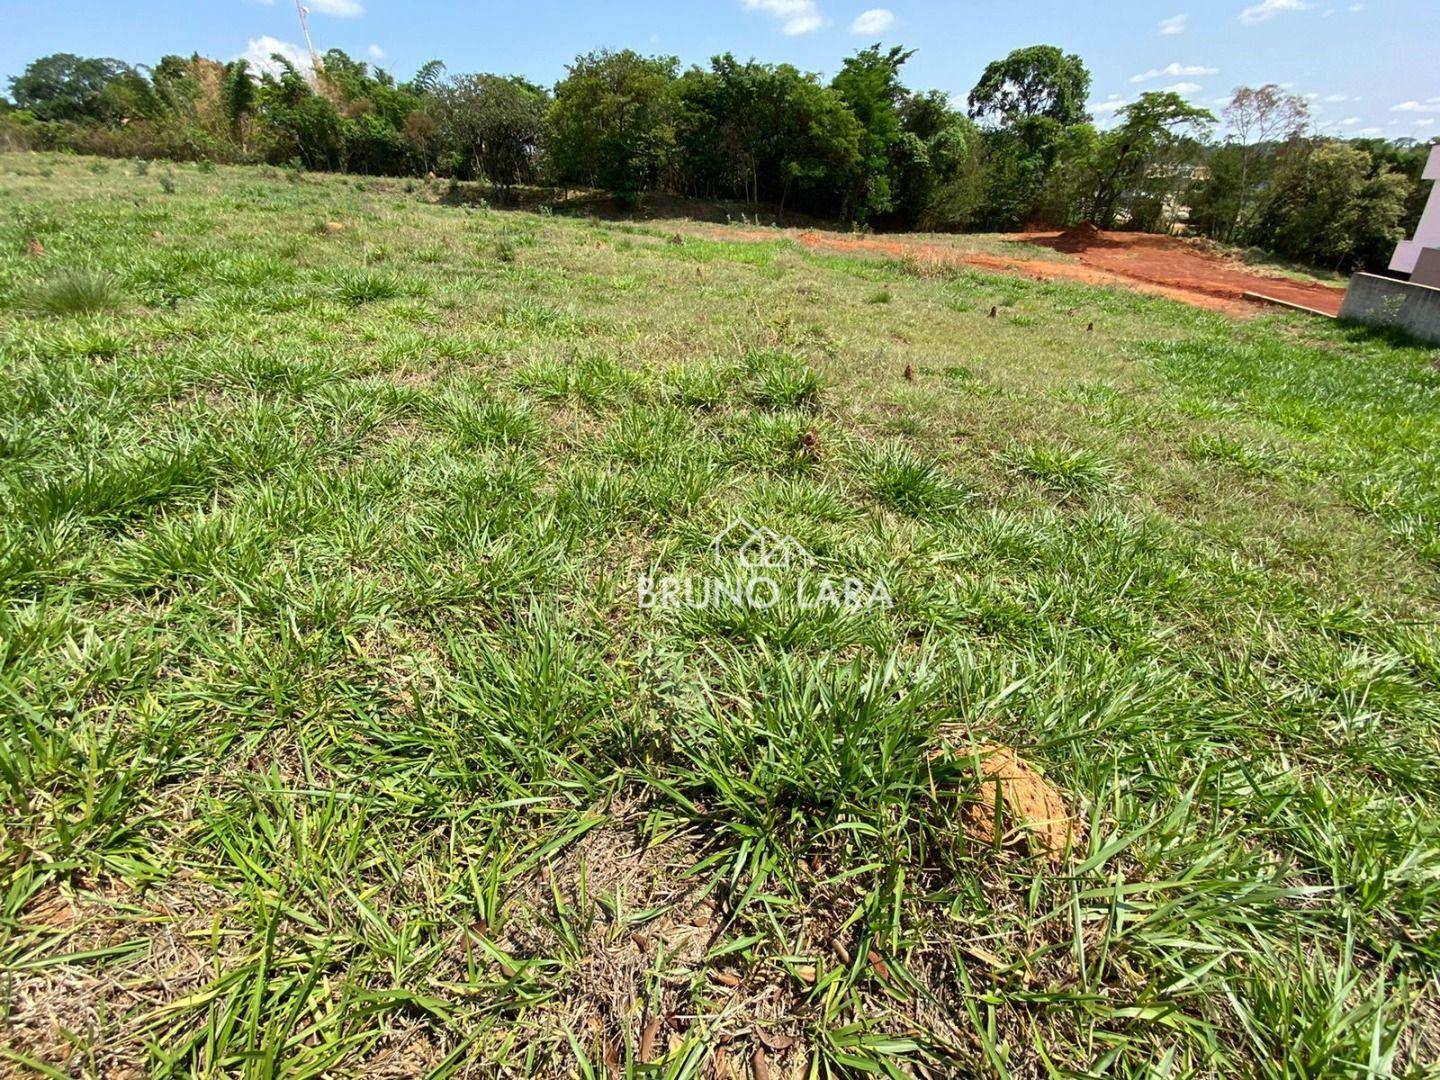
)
(1368, 67)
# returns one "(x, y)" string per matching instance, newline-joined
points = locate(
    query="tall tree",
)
(493, 124)
(1140, 149)
(764, 132)
(1329, 204)
(427, 79)
(869, 85)
(1258, 120)
(938, 168)
(303, 125)
(1032, 99)
(1039, 81)
(63, 86)
(238, 97)
(611, 124)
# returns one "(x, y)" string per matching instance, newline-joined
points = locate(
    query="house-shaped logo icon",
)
(759, 548)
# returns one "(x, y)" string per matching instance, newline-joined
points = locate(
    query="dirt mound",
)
(1030, 806)
(1080, 237)
(1029, 809)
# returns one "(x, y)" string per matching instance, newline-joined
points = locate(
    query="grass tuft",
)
(903, 479)
(78, 292)
(370, 286)
(780, 380)
(1064, 469)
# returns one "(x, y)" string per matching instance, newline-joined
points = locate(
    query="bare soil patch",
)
(1158, 265)
(1184, 266)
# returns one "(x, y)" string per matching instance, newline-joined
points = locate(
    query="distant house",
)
(1178, 176)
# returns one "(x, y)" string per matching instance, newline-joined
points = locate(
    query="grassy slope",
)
(333, 736)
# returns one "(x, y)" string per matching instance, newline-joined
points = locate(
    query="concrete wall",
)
(1427, 235)
(1401, 305)
(1427, 270)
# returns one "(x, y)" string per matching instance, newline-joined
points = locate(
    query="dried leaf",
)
(878, 964)
(648, 1037)
(776, 1041)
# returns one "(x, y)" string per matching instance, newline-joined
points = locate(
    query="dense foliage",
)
(862, 148)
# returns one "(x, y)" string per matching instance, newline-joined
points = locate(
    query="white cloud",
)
(376, 52)
(345, 9)
(258, 51)
(1173, 71)
(1415, 106)
(1335, 99)
(1350, 121)
(797, 16)
(874, 21)
(1115, 104)
(1176, 24)
(1270, 9)
(1182, 88)
(1370, 132)
(1357, 8)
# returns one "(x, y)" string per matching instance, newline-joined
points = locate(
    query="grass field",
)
(334, 739)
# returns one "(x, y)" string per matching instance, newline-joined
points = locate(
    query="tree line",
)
(861, 148)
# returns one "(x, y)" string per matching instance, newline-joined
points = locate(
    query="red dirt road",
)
(1159, 265)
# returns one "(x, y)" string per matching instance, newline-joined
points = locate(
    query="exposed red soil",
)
(1160, 265)
(1183, 265)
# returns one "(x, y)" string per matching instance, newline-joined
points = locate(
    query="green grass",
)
(335, 740)
(76, 292)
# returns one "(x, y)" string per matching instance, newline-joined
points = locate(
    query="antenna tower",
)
(305, 29)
